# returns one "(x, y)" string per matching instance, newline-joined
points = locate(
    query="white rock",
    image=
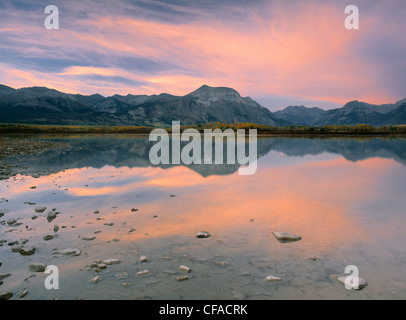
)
(182, 278)
(185, 269)
(111, 261)
(141, 273)
(354, 283)
(286, 236)
(96, 279)
(273, 278)
(143, 259)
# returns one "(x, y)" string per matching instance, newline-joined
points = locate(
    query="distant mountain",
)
(299, 115)
(39, 105)
(354, 112)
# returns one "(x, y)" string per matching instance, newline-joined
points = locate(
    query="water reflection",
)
(133, 151)
(344, 197)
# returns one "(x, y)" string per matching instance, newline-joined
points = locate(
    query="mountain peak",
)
(207, 92)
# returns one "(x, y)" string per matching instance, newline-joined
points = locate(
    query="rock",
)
(109, 224)
(51, 216)
(173, 195)
(89, 238)
(40, 209)
(134, 210)
(68, 251)
(185, 269)
(273, 278)
(11, 222)
(24, 241)
(48, 237)
(142, 273)
(33, 217)
(286, 236)
(101, 266)
(27, 251)
(37, 267)
(6, 295)
(24, 293)
(96, 279)
(143, 259)
(16, 248)
(111, 261)
(4, 276)
(222, 263)
(182, 278)
(314, 258)
(356, 283)
(203, 234)
(126, 284)
(131, 230)
(56, 228)
(13, 243)
(96, 211)
(122, 275)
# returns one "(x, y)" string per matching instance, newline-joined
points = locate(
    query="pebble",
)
(203, 234)
(122, 275)
(37, 267)
(11, 221)
(109, 224)
(23, 294)
(185, 269)
(222, 263)
(27, 251)
(34, 217)
(182, 278)
(96, 279)
(6, 295)
(68, 251)
(141, 273)
(286, 236)
(40, 209)
(353, 284)
(51, 216)
(48, 237)
(111, 261)
(4, 276)
(273, 278)
(56, 228)
(143, 259)
(96, 211)
(89, 238)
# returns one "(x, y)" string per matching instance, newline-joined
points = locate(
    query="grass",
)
(359, 129)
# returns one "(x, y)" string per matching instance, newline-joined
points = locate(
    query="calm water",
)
(345, 197)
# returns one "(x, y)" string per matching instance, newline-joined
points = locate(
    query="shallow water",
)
(343, 196)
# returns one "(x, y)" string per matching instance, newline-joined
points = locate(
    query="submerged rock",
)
(4, 276)
(24, 293)
(143, 259)
(142, 273)
(96, 279)
(286, 236)
(182, 278)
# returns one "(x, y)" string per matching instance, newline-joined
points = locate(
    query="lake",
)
(344, 196)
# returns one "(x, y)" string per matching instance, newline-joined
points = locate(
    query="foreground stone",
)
(273, 278)
(111, 261)
(286, 236)
(37, 267)
(355, 283)
(6, 295)
(203, 234)
(40, 209)
(27, 251)
(142, 273)
(185, 269)
(68, 251)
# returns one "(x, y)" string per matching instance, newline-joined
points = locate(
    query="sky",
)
(280, 53)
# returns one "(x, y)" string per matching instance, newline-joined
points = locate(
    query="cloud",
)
(297, 49)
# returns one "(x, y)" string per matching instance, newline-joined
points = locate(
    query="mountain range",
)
(40, 105)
